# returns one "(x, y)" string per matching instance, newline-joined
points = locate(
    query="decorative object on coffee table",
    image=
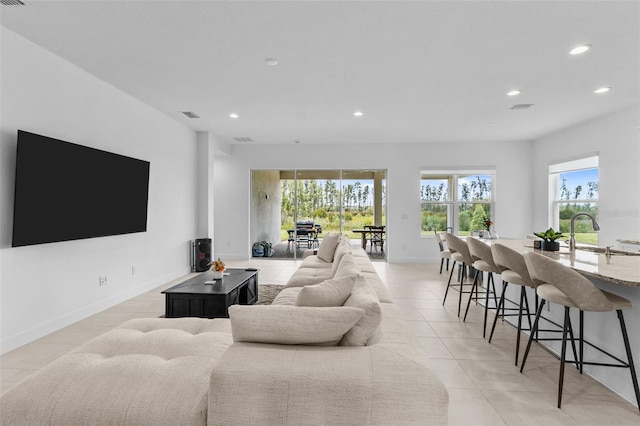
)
(218, 268)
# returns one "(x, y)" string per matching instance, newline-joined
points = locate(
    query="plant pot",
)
(550, 246)
(217, 274)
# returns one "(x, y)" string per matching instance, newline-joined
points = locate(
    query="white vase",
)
(218, 274)
(490, 235)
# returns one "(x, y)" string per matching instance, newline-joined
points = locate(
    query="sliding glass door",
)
(292, 209)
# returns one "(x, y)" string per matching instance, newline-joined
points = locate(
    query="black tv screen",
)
(65, 191)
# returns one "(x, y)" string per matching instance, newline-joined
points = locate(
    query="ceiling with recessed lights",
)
(353, 72)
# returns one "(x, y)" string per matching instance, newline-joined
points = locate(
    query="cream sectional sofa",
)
(302, 360)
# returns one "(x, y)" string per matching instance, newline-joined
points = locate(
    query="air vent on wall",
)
(243, 139)
(12, 3)
(190, 114)
(521, 106)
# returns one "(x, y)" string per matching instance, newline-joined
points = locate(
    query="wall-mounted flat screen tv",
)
(65, 191)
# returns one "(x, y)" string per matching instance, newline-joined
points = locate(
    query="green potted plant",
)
(549, 238)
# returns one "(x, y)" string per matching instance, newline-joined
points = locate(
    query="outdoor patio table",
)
(367, 234)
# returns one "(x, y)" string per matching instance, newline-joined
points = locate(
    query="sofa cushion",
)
(343, 248)
(378, 286)
(333, 292)
(363, 263)
(124, 376)
(308, 276)
(328, 246)
(347, 267)
(313, 261)
(287, 296)
(292, 325)
(367, 330)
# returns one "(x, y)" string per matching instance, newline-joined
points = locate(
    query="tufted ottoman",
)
(152, 371)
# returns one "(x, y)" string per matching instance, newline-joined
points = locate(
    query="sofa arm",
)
(309, 252)
(292, 385)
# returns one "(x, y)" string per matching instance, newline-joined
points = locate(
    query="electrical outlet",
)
(102, 280)
(133, 270)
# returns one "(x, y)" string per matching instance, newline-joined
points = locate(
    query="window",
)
(573, 188)
(458, 202)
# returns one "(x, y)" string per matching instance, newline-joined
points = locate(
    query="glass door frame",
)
(298, 175)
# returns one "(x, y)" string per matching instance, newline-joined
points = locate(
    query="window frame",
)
(588, 162)
(453, 202)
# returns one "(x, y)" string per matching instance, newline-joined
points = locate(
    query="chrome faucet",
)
(572, 239)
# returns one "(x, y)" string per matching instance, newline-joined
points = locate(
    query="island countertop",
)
(620, 268)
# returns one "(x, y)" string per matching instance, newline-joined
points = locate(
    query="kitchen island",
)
(622, 268)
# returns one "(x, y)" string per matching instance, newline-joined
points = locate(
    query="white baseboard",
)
(27, 336)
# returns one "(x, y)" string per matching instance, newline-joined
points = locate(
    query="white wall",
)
(617, 140)
(46, 287)
(403, 163)
(205, 185)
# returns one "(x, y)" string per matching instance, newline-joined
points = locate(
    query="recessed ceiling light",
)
(271, 61)
(513, 92)
(602, 90)
(580, 49)
(358, 113)
(233, 115)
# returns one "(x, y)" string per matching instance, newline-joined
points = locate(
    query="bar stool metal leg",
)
(449, 283)
(523, 298)
(627, 347)
(495, 319)
(490, 284)
(563, 354)
(475, 277)
(581, 339)
(533, 333)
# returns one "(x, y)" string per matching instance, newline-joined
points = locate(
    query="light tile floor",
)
(485, 387)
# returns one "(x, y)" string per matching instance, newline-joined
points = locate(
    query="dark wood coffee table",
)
(194, 298)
